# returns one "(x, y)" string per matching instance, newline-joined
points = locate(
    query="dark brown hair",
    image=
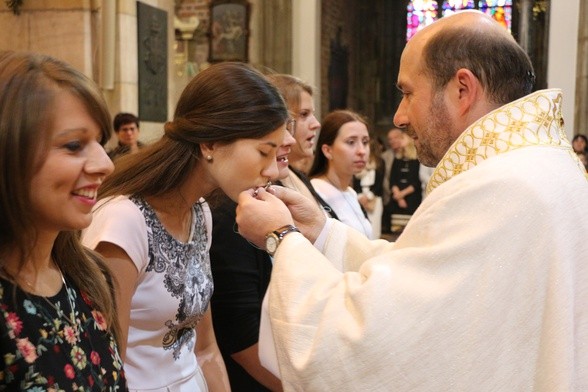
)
(500, 64)
(329, 131)
(224, 103)
(123, 119)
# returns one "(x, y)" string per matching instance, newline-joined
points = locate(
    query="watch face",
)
(271, 244)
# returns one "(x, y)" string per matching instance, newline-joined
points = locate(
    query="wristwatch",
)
(273, 238)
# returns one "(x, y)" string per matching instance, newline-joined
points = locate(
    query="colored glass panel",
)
(451, 6)
(458, 4)
(419, 13)
(500, 10)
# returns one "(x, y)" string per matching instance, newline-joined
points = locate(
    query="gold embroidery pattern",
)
(534, 120)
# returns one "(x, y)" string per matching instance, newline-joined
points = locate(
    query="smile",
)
(87, 193)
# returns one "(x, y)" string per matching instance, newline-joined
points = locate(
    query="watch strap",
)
(280, 234)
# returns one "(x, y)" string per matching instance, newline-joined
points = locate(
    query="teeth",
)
(283, 159)
(88, 193)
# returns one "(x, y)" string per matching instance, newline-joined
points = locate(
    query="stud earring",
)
(209, 158)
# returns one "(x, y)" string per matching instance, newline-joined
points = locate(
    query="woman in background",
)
(154, 227)
(57, 313)
(580, 144)
(405, 182)
(343, 151)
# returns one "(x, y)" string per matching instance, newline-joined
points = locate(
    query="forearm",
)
(407, 191)
(209, 356)
(249, 360)
(213, 368)
(401, 194)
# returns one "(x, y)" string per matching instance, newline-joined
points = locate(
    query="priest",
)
(487, 287)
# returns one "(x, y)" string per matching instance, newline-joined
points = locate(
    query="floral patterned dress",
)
(44, 348)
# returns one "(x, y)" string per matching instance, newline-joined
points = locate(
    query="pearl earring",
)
(209, 158)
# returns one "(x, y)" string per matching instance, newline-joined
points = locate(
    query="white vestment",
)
(485, 290)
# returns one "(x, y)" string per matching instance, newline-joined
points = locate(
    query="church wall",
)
(64, 29)
(71, 31)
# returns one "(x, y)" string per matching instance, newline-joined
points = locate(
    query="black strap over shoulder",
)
(314, 193)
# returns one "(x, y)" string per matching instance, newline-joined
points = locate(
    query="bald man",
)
(487, 287)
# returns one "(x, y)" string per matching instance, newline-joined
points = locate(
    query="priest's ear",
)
(464, 90)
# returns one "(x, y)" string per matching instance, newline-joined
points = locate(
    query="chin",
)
(84, 223)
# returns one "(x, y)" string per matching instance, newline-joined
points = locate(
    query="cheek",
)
(52, 178)
(48, 191)
(341, 154)
(238, 173)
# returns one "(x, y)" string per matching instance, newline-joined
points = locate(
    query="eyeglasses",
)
(291, 126)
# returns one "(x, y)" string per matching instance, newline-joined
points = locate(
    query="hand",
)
(363, 199)
(308, 216)
(396, 193)
(258, 213)
(402, 203)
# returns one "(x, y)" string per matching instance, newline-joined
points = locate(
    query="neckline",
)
(162, 227)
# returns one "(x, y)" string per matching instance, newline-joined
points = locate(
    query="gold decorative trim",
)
(534, 120)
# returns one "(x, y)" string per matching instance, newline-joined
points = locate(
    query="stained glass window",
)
(500, 10)
(420, 13)
(450, 6)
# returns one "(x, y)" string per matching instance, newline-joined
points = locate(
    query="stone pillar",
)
(525, 19)
(581, 110)
(272, 46)
(306, 45)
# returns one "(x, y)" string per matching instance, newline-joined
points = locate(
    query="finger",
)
(288, 196)
(246, 195)
(261, 193)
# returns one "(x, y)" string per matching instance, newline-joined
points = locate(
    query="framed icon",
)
(229, 30)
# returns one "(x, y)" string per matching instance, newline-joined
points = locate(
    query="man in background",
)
(126, 127)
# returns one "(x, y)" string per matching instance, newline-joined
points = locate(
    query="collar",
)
(534, 120)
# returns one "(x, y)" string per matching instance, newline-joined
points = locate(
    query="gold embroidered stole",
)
(534, 120)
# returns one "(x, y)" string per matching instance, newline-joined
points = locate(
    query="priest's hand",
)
(264, 211)
(308, 216)
(258, 213)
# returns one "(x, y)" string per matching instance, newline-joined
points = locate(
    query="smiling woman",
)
(154, 227)
(57, 313)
